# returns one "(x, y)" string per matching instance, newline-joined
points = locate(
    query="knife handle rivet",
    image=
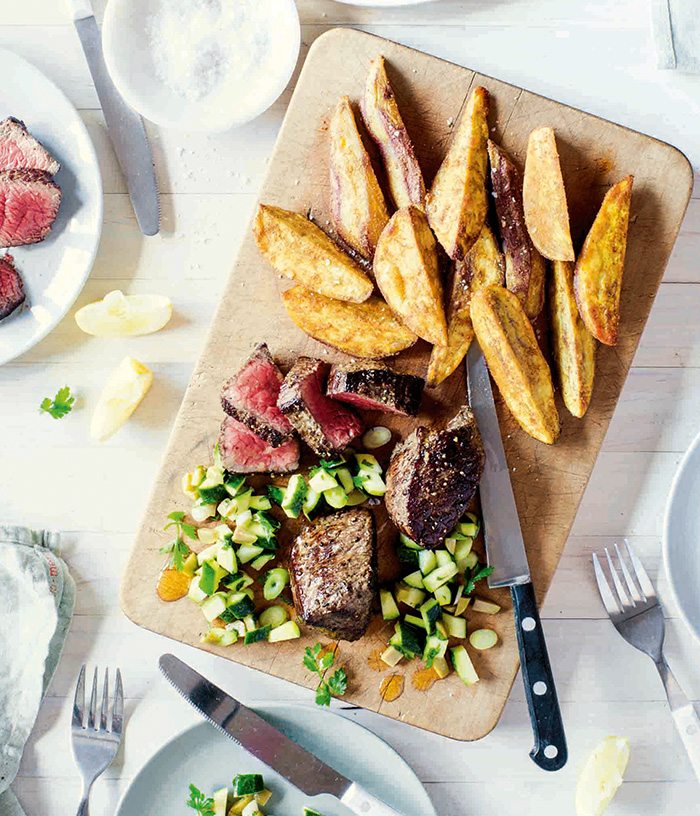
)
(540, 688)
(528, 624)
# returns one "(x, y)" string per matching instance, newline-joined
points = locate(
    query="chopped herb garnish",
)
(60, 405)
(479, 572)
(178, 547)
(204, 805)
(319, 661)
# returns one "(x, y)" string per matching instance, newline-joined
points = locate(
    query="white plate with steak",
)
(50, 206)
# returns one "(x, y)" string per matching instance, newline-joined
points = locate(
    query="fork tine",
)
(609, 600)
(635, 594)
(79, 700)
(621, 594)
(118, 705)
(93, 702)
(644, 581)
(105, 702)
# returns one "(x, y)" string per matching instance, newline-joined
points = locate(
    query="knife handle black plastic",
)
(549, 751)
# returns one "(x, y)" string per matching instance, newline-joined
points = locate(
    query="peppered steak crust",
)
(373, 386)
(333, 567)
(250, 396)
(432, 476)
(324, 424)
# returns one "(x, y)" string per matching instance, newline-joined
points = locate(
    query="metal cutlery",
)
(96, 741)
(633, 607)
(124, 126)
(505, 551)
(300, 767)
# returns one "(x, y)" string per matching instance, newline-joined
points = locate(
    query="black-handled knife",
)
(505, 550)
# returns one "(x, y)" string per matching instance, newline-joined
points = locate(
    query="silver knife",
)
(124, 126)
(304, 770)
(505, 551)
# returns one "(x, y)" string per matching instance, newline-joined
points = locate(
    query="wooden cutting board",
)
(548, 481)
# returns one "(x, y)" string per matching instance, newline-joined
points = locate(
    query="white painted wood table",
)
(596, 55)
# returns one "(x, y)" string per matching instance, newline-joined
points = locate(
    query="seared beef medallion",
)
(373, 386)
(243, 451)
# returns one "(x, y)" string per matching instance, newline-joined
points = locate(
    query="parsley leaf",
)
(323, 695)
(178, 547)
(318, 661)
(338, 684)
(60, 405)
(478, 573)
(199, 802)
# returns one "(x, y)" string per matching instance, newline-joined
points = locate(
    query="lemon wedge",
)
(124, 390)
(120, 315)
(602, 776)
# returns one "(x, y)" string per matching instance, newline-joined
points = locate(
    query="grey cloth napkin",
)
(677, 34)
(36, 606)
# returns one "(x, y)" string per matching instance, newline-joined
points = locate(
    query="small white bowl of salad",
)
(201, 65)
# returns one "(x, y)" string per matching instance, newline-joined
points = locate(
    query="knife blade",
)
(124, 126)
(300, 767)
(505, 552)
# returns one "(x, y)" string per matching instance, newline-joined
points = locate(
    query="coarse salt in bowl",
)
(201, 65)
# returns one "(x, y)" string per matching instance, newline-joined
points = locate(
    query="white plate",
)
(55, 270)
(203, 756)
(681, 542)
(383, 2)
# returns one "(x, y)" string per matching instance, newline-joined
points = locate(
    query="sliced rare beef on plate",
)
(243, 451)
(333, 566)
(11, 287)
(29, 201)
(250, 396)
(373, 386)
(19, 150)
(324, 424)
(432, 476)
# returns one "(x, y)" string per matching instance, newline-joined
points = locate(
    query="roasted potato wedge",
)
(482, 267)
(385, 125)
(457, 203)
(368, 329)
(358, 209)
(574, 346)
(515, 361)
(525, 267)
(599, 268)
(407, 273)
(544, 198)
(298, 249)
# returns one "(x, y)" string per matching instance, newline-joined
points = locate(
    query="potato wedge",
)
(407, 273)
(482, 267)
(457, 203)
(298, 249)
(574, 346)
(544, 198)
(599, 268)
(358, 209)
(515, 361)
(368, 329)
(385, 125)
(525, 267)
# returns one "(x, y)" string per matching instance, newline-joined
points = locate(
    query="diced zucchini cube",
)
(262, 560)
(409, 640)
(410, 595)
(390, 611)
(211, 575)
(343, 475)
(220, 798)
(441, 667)
(415, 620)
(356, 497)
(427, 561)
(486, 607)
(371, 483)
(257, 635)
(213, 607)
(367, 462)
(391, 656)
(247, 552)
(207, 535)
(456, 627)
(461, 606)
(414, 579)
(201, 512)
(430, 613)
(294, 496)
(234, 484)
(263, 797)
(322, 480)
(273, 616)
(260, 503)
(443, 595)
(226, 558)
(190, 565)
(443, 557)
(336, 497)
(194, 593)
(287, 631)
(247, 784)
(208, 553)
(464, 666)
(440, 576)
(409, 542)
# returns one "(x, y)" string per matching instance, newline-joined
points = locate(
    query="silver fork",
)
(634, 609)
(95, 744)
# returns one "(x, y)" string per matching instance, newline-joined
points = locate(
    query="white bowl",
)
(681, 539)
(129, 55)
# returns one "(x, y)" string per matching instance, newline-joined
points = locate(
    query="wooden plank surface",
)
(548, 482)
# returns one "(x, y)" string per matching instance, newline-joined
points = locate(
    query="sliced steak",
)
(333, 565)
(374, 386)
(29, 202)
(11, 287)
(324, 424)
(19, 150)
(243, 451)
(250, 396)
(432, 476)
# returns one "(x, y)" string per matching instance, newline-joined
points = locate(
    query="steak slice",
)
(324, 424)
(375, 387)
(29, 201)
(431, 478)
(19, 150)
(11, 287)
(250, 396)
(243, 451)
(333, 566)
